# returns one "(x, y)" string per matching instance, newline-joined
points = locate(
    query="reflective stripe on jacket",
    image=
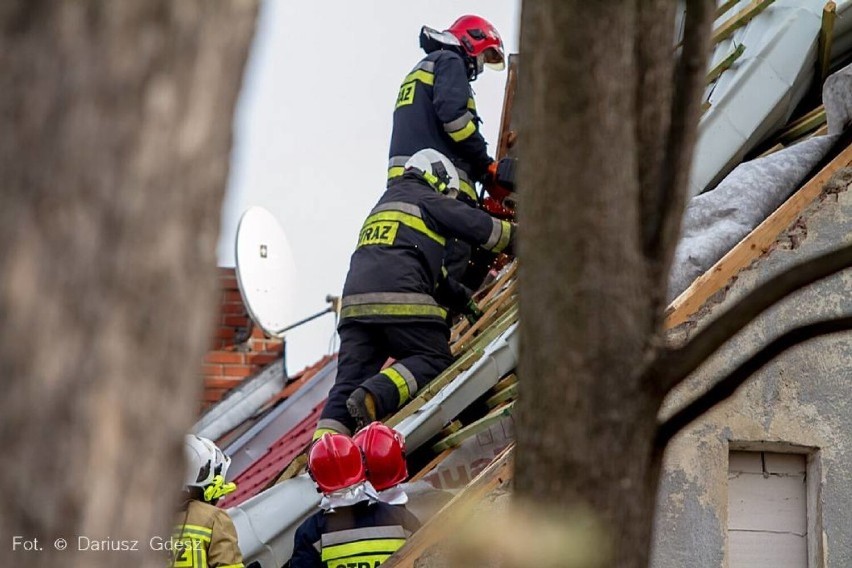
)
(362, 535)
(397, 265)
(205, 537)
(435, 109)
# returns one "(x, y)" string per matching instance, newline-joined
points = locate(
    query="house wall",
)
(800, 403)
(239, 349)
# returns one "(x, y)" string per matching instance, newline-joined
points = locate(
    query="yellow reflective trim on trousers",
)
(380, 545)
(395, 171)
(471, 104)
(505, 234)
(396, 310)
(409, 221)
(399, 381)
(464, 133)
(420, 75)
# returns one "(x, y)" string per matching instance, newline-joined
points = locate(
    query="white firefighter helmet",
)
(221, 463)
(201, 461)
(436, 169)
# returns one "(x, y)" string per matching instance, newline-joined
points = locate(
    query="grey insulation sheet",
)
(837, 94)
(717, 220)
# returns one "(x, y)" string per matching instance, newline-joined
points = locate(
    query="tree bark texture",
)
(601, 109)
(116, 137)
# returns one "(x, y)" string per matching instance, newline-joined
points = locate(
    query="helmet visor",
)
(494, 58)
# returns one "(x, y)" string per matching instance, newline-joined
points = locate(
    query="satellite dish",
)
(264, 265)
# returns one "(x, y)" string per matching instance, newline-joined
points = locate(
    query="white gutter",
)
(499, 358)
(241, 403)
(257, 440)
(267, 523)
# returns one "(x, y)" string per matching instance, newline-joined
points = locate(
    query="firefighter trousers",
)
(421, 351)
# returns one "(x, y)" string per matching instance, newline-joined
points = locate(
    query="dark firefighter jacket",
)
(361, 536)
(205, 537)
(435, 109)
(398, 263)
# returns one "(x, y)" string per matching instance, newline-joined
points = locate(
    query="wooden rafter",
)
(725, 64)
(738, 20)
(826, 35)
(753, 245)
(448, 518)
(503, 142)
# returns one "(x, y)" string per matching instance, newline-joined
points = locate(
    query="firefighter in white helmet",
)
(389, 307)
(204, 535)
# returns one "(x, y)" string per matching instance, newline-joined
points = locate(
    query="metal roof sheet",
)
(257, 477)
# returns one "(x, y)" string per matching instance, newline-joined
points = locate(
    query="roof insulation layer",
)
(759, 93)
(717, 220)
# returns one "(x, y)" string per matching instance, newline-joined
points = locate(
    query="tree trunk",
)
(603, 165)
(116, 138)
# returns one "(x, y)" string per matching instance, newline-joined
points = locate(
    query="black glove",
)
(505, 173)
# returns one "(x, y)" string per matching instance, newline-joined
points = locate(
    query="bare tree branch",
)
(673, 365)
(727, 386)
(664, 211)
(657, 82)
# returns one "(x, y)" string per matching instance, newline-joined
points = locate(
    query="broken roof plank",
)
(740, 19)
(802, 126)
(724, 65)
(445, 520)
(487, 293)
(826, 36)
(724, 7)
(503, 395)
(427, 469)
(753, 245)
(508, 381)
(499, 283)
(455, 439)
(503, 142)
(463, 363)
(494, 310)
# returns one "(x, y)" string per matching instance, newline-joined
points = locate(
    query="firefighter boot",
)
(362, 407)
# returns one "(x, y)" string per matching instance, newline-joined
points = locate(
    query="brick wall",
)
(239, 349)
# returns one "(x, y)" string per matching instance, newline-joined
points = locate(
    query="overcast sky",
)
(313, 125)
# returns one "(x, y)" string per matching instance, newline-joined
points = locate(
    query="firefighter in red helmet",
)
(384, 453)
(435, 108)
(353, 527)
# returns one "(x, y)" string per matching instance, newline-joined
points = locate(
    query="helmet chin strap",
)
(472, 67)
(480, 63)
(218, 489)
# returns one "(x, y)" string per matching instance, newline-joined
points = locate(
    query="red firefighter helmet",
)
(479, 37)
(335, 463)
(384, 452)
